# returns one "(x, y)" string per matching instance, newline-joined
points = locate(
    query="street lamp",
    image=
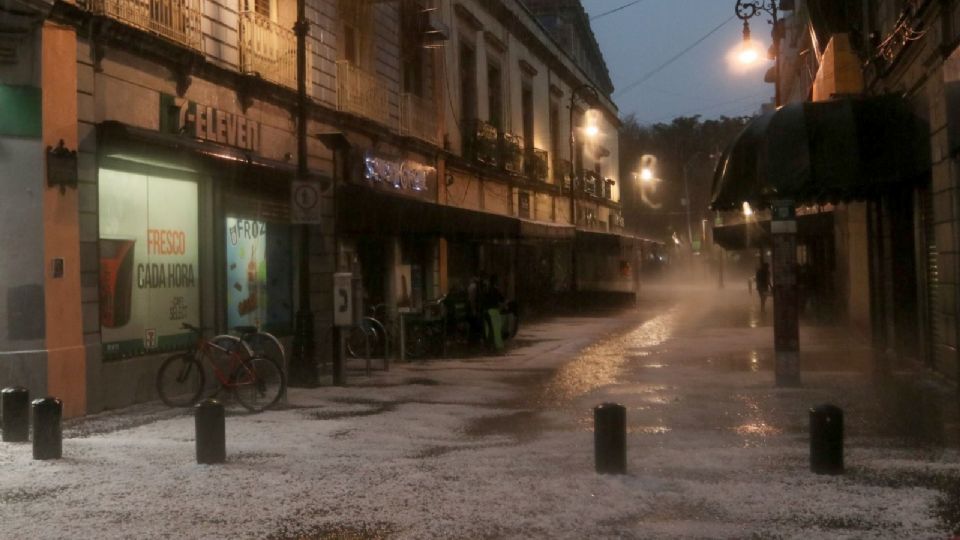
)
(748, 9)
(783, 226)
(590, 131)
(302, 369)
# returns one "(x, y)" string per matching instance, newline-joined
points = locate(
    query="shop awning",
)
(122, 140)
(545, 231)
(754, 234)
(816, 152)
(372, 212)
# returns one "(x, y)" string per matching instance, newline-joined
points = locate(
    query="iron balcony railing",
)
(362, 93)
(481, 142)
(536, 163)
(512, 152)
(418, 118)
(175, 20)
(561, 173)
(269, 50)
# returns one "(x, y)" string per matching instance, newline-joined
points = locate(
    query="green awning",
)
(817, 152)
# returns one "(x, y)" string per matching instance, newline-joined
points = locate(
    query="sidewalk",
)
(502, 447)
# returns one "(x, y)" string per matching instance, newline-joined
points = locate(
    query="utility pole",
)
(303, 370)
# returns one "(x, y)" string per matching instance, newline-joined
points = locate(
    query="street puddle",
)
(603, 364)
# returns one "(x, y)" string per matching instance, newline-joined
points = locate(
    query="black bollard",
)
(610, 438)
(47, 435)
(211, 432)
(826, 439)
(15, 405)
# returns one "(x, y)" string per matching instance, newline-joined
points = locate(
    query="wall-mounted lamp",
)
(61, 167)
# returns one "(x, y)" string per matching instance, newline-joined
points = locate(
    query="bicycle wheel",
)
(180, 380)
(266, 344)
(259, 383)
(357, 340)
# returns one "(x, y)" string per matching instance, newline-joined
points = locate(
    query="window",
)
(412, 54)
(554, 130)
(149, 281)
(259, 274)
(356, 18)
(578, 147)
(526, 104)
(495, 94)
(262, 7)
(468, 83)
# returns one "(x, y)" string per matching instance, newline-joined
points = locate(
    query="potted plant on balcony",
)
(485, 143)
(513, 153)
(536, 162)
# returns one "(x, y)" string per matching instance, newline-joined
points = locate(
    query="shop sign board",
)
(305, 202)
(401, 176)
(179, 116)
(149, 283)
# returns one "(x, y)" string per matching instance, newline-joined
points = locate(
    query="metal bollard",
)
(826, 439)
(610, 438)
(211, 432)
(47, 434)
(15, 405)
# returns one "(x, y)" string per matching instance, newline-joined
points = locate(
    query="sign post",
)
(786, 319)
(305, 202)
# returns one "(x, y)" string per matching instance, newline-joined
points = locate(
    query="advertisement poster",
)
(148, 262)
(258, 274)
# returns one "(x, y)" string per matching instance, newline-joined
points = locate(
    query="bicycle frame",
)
(237, 358)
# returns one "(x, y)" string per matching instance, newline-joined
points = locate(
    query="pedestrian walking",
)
(762, 280)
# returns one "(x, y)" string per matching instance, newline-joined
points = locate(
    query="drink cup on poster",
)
(116, 280)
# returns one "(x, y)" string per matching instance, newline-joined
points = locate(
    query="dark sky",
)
(639, 38)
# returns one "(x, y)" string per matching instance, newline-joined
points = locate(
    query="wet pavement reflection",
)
(698, 372)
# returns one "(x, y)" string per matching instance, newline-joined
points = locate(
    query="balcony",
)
(512, 153)
(362, 94)
(561, 173)
(269, 50)
(536, 163)
(418, 118)
(481, 142)
(175, 20)
(592, 184)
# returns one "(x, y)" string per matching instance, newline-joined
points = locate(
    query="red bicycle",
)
(256, 381)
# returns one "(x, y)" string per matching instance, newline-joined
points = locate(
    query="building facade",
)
(439, 148)
(890, 244)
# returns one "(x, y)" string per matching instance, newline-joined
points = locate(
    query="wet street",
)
(502, 447)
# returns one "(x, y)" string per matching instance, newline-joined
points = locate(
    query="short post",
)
(211, 432)
(826, 440)
(15, 405)
(340, 361)
(610, 438)
(47, 434)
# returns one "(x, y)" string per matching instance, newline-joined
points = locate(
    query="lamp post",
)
(783, 224)
(585, 87)
(302, 369)
(748, 9)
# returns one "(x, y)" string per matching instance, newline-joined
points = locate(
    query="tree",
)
(685, 142)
